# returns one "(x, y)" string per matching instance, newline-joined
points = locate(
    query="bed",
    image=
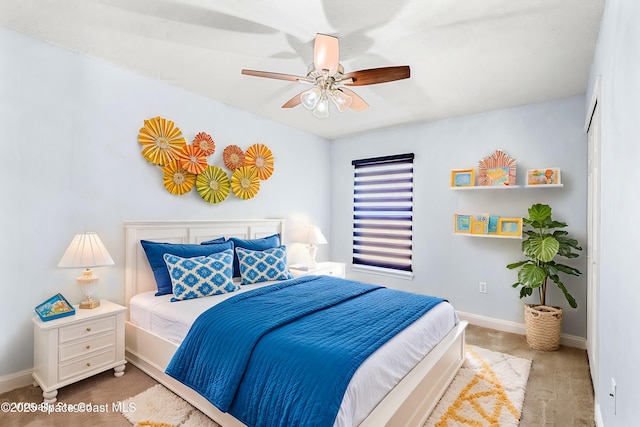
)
(150, 344)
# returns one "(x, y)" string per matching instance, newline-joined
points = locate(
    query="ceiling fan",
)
(328, 78)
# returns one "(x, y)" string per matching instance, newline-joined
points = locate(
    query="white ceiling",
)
(465, 56)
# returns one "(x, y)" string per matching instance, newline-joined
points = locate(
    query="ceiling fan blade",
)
(295, 101)
(357, 103)
(326, 54)
(377, 75)
(278, 76)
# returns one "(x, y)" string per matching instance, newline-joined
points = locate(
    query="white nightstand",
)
(336, 269)
(76, 347)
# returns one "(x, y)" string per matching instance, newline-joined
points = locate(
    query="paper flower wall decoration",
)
(160, 140)
(213, 184)
(245, 182)
(205, 143)
(260, 157)
(192, 159)
(178, 180)
(233, 157)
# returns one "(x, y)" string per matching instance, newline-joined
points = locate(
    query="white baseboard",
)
(517, 328)
(15, 380)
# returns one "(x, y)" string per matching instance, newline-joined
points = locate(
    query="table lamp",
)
(313, 237)
(86, 251)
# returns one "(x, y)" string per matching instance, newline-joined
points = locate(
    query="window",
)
(383, 212)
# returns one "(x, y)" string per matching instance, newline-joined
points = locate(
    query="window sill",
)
(406, 275)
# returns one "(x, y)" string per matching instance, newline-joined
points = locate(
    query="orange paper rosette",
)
(192, 159)
(204, 142)
(245, 182)
(213, 184)
(260, 157)
(160, 140)
(178, 180)
(233, 157)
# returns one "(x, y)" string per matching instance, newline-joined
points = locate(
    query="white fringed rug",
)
(487, 391)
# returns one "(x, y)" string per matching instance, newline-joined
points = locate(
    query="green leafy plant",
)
(545, 241)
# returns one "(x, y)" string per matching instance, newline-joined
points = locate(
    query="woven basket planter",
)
(543, 324)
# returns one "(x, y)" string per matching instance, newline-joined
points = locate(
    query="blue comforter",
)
(283, 355)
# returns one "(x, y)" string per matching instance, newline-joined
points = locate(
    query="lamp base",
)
(89, 304)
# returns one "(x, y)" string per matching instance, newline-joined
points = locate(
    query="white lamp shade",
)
(314, 236)
(85, 251)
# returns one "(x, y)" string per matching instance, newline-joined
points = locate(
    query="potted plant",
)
(545, 242)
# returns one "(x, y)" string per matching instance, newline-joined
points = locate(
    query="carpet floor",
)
(559, 390)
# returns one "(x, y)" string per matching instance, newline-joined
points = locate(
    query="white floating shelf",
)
(489, 187)
(543, 186)
(488, 236)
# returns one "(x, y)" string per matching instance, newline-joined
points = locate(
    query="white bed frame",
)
(408, 404)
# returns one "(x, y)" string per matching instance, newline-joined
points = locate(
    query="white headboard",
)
(138, 276)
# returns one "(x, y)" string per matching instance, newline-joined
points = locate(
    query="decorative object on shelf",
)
(462, 224)
(480, 224)
(463, 178)
(313, 237)
(492, 227)
(177, 180)
(204, 142)
(510, 226)
(546, 240)
(233, 157)
(192, 159)
(55, 307)
(497, 169)
(260, 157)
(544, 176)
(213, 184)
(161, 140)
(245, 182)
(86, 251)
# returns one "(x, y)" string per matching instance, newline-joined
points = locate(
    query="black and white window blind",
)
(383, 212)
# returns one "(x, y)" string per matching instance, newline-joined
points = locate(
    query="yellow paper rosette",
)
(233, 157)
(260, 157)
(245, 182)
(213, 184)
(160, 140)
(192, 159)
(204, 142)
(178, 180)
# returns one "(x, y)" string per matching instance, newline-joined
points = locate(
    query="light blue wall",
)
(548, 134)
(71, 163)
(617, 61)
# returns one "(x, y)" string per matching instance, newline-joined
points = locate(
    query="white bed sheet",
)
(371, 382)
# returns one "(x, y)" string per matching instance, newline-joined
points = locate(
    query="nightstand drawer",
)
(334, 270)
(86, 346)
(78, 368)
(87, 329)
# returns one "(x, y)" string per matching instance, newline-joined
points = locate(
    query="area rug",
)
(487, 391)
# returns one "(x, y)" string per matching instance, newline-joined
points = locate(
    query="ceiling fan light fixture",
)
(322, 109)
(341, 100)
(310, 98)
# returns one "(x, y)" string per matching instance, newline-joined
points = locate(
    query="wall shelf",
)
(488, 236)
(544, 186)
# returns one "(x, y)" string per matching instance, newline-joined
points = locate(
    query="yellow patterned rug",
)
(487, 391)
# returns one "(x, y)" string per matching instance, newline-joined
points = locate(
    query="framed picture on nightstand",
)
(54, 308)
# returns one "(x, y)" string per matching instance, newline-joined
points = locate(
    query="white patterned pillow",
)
(201, 276)
(263, 266)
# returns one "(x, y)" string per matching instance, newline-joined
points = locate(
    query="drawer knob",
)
(88, 329)
(88, 347)
(88, 363)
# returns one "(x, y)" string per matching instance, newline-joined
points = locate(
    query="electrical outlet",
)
(613, 395)
(483, 287)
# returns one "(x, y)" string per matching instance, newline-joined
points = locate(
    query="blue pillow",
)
(263, 266)
(268, 242)
(210, 242)
(155, 252)
(201, 276)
